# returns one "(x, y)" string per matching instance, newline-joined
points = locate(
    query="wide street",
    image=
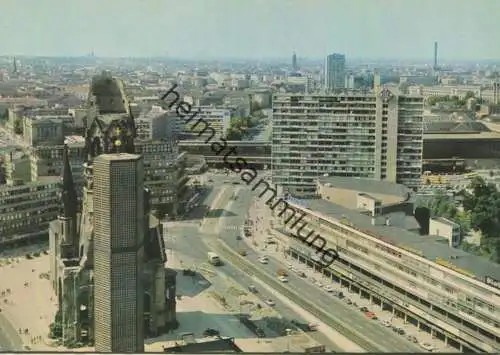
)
(228, 214)
(185, 238)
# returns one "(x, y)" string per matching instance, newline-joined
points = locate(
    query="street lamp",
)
(288, 333)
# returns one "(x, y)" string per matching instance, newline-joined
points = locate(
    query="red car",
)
(371, 315)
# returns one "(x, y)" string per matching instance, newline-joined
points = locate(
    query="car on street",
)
(371, 315)
(283, 278)
(282, 272)
(290, 266)
(363, 309)
(270, 302)
(264, 260)
(242, 252)
(235, 182)
(238, 237)
(426, 346)
(252, 289)
(209, 332)
(412, 338)
(386, 323)
(348, 301)
(329, 288)
(210, 180)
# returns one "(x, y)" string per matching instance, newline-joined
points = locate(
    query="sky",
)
(399, 29)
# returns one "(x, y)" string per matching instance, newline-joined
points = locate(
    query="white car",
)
(270, 302)
(319, 284)
(290, 266)
(264, 260)
(283, 278)
(329, 288)
(386, 323)
(426, 346)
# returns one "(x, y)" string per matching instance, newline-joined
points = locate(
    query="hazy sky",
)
(465, 29)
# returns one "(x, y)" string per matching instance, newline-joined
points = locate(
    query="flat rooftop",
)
(368, 186)
(431, 247)
(462, 136)
(119, 156)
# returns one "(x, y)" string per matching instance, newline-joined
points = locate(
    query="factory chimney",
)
(435, 56)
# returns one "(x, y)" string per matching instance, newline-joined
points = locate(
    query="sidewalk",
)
(27, 299)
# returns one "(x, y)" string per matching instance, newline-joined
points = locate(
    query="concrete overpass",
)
(256, 153)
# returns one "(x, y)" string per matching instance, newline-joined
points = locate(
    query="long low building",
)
(442, 290)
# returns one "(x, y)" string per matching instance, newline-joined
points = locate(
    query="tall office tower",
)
(294, 62)
(372, 135)
(119, 225)
(335, 72)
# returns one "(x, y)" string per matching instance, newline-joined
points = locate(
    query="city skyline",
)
(387, 29)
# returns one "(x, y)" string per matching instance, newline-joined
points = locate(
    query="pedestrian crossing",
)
(233, 228)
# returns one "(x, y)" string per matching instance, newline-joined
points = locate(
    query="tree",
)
(469, 94)
(18, 125)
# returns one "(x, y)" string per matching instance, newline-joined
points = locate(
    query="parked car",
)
(386, 323)
(252, 289)
(238, 237)
(270, 302)
(427, 346)
(283, 278)
(242, 252)
(371, 315)
(209, 332)
(329, 288)
(348, 301)
(301, 273)
(363, 309)
(340, 295)
(264, 260)
(412, 338)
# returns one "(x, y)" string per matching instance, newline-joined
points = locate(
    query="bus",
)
(214, 259)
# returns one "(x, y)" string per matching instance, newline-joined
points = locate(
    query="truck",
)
(214, 259)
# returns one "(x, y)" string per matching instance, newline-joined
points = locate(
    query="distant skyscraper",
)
(335, 72)
(294, 62)
(119, 226)
(435, 55)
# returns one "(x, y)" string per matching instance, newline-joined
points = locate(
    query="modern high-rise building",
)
(294, 62)
(119, 226)
(375, 136)
(335, 72)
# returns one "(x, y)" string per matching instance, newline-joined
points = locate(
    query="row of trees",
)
(481, 212)
(483, 204)
(455, 100)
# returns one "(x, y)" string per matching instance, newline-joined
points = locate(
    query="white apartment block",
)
(218, 118)
(376, 136)
(156, 124)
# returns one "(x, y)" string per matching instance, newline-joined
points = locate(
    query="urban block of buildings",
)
(385, 254)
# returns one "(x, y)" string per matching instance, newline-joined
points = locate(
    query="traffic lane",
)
(198, 251)
(284, 310)
(353, 317)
